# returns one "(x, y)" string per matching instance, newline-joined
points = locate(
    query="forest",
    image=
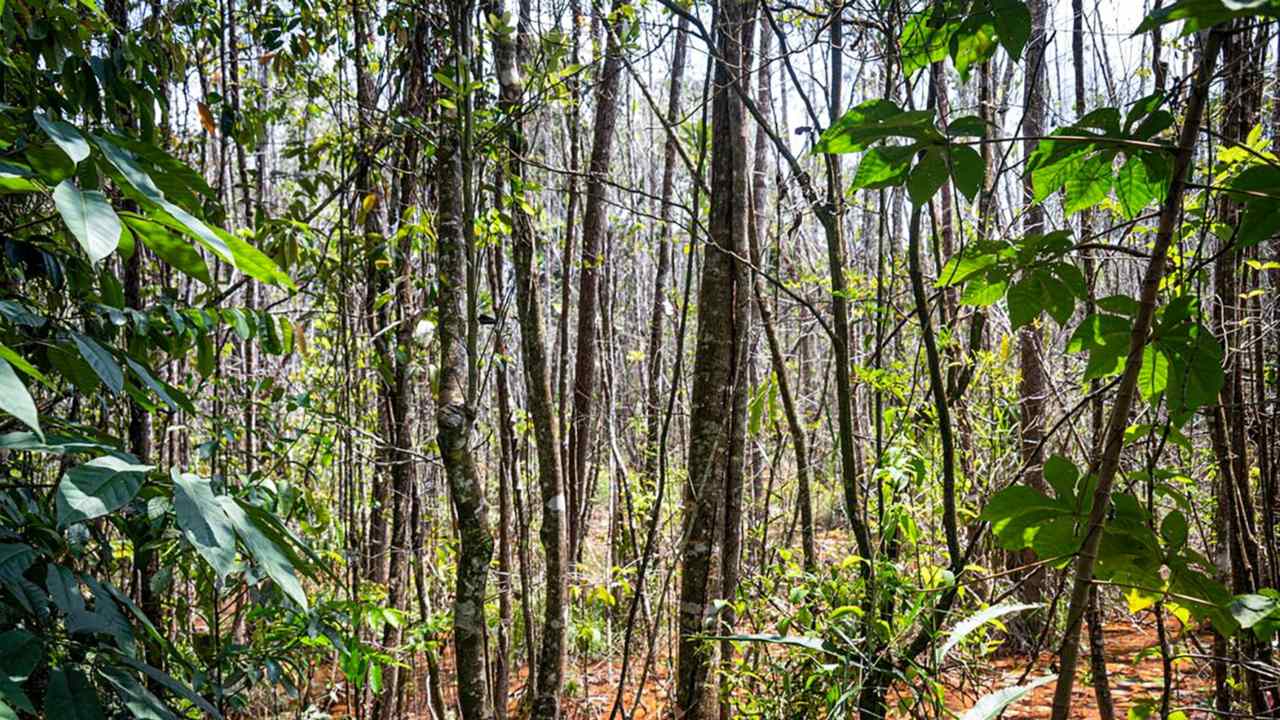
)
(639, 359)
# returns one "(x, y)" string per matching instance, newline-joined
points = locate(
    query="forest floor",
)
(1133, 664)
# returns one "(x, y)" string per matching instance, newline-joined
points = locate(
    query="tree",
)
(454, 416)
(716, 437)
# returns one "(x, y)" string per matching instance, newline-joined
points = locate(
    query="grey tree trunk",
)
(719, 375)
(594, 227)
(550, 669)
(454, 416)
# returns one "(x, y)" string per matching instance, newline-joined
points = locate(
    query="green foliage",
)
(937, 154)
(969, 31)
(87, 184)
(1081, 159)
(1203, 14)
(1147, 564)
(1035, 273)
(1181, 364)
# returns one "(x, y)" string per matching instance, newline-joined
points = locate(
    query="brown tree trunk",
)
(653, 404)
(1024, 628)
(1094, 616)
(551, 658)
(454, 417)
(795, 427)
(585, 371)
(397, 393)
(716, 436)
(1108, 463)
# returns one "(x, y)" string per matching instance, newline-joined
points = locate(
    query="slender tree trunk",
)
(397, 393)
(146, 561)
(454, 417)
(586, 370)
(1032, 381)
(795, 426)
(716, 436)
(1094, 616)
(551, 657)
(653, 402)
(1108, 463)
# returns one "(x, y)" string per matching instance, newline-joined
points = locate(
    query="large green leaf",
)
(98, 487)
(875, 120)
(925, 38)
(146, 189)
(883, 166)
(14, 696)
(203, 522)
(171, 396)
(15, 558)
(174, 249)
(1203, 14)
(266, 553)
(170, 684)
(20, 653)
(89, 217)
(1013, 25)
(1089, 185)
(977, 620)
(1106, 338)
(140, 702)
(992, 706)
(100, 359)
(64, 136)
(1153, 376)
(928, 176)
(71, 696)
(15, 400)
(1134, 189)
(967, 170)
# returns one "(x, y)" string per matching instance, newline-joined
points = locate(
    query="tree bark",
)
(454, 416)
(653, 402)
(551, 656)
(716, 436)
(1108, 463)
(586, 370)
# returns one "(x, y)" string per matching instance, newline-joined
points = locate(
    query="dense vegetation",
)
(461, 358)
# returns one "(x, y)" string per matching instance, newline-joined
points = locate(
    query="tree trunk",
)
(454, 417)
(585, 371)
(1108, 463)
(653, 403)
(551, 658)
(716, 437)
(1032, 381)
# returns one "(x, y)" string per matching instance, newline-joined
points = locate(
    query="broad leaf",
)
(174, 249)
(203, 522)
(100, 359)
(968, 625)
(266, 553)
(991, 706)
(20, 653)
(141, 703)
(883, 166)
(71, 696)
(927, 177)
(90, 219)
(15, 558)
(98, 487)
(15, 400)
(64, 136)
